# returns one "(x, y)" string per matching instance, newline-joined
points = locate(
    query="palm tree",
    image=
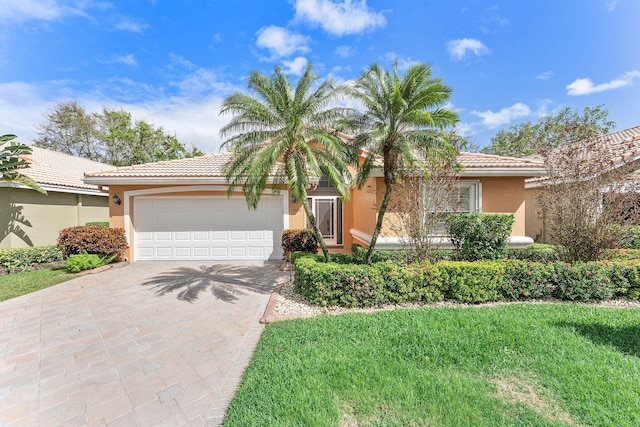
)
(285, 134)
(403, 116)
(11, 163)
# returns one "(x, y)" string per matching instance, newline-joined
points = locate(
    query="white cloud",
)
(295, 67)
(26, 10)
(587, 87)
(493, 120)
(458, 49)
(403, 63)
(281, 42)
(545, 76)
(189, 108)
(130, 24)
(123, 59)
(345, 51)
(340, 18)
(20, 11)
(611, 5)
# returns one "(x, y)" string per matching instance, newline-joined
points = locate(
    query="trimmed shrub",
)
(80, 262)
(623, 254)
(21, 259)
(582, 282)
(536, 252)
(92, 239)
(361, 285)
(354, 285)
(399, 256)
(524, 280)
(472, 281)
(104, 224)
(478, 236)
(302, 239)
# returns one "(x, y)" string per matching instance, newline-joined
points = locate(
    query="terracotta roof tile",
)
(211, 165)
(610, 151)
(489, 161)
(48, 167)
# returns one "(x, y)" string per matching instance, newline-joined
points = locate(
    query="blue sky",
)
(172, 62)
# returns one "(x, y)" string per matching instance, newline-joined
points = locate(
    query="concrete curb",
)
(270, 317)
(103, 268)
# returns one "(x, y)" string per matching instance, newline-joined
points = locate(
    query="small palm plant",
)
(11, 163)
(283, 136)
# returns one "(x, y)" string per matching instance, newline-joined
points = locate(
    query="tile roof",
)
(211, 165)
(489, 161)
(609, 151)
(48, 167)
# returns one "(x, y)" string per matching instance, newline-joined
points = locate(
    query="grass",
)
(14, 285)
(508, 365)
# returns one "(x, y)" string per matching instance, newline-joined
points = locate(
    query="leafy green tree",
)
(285, 131)
(11, 163)
(404, 121)
(68, 128)
(566, 127)
(110, 136)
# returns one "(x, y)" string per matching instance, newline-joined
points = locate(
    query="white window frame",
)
(475, 201)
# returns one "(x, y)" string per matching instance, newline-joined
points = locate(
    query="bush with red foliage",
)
(302, 239)
(92, 239)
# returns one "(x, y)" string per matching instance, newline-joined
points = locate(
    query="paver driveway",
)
(142, 344)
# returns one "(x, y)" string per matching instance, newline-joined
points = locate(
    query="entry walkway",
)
(139, 345)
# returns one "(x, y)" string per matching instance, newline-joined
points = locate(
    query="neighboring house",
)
(178, 210)
(29, 218)
(619, 149)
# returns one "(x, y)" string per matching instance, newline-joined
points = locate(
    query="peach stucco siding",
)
(505, 195)
(499, 195)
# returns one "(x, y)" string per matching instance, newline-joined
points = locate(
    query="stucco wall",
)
(534, 225)
(505, 195)
(29, 218)
(499, 195)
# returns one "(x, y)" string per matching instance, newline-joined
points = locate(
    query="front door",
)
(328, 213)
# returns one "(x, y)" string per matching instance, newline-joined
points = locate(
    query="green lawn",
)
(508, 365)
(14, 285)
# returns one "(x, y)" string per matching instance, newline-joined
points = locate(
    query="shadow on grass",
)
(225, 282)
(625, 339)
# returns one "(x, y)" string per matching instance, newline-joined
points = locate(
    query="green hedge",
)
(21, 259)
(477, 236)
(359, 285)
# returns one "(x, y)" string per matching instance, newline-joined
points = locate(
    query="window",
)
(466, 197)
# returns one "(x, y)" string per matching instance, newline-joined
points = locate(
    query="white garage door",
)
(207, 228)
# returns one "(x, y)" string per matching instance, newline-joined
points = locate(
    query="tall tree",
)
(404, 120)
(68, 128)
(11, 163)
(110, 136)
(565, 127)
(285, 131)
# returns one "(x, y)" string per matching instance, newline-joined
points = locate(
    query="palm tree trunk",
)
(314, 227)
(376, 232)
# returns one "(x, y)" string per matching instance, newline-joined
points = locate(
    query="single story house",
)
(178, 210)
(619, 149)
(29, 218)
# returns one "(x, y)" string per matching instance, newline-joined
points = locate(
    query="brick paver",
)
(142, 344)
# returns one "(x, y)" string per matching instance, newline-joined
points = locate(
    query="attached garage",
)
(212, 228)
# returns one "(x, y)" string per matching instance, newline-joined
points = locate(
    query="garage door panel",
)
(212, 228)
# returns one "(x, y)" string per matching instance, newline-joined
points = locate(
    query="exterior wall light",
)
(116, 200)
